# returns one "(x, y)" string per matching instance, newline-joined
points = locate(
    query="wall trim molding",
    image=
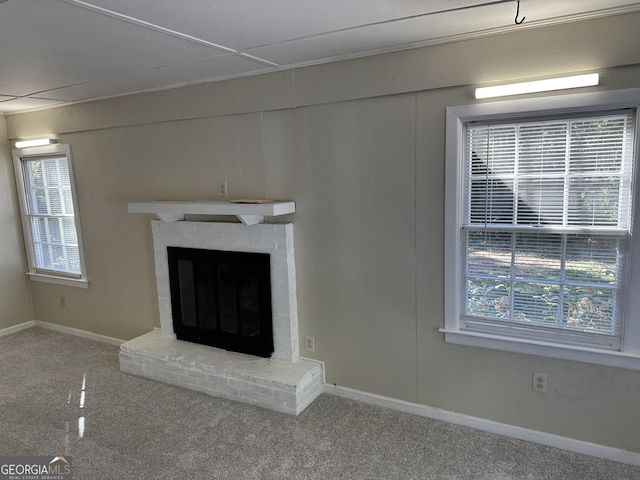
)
(521, 433)
(62, 329)
(79, 333)
(17, 328)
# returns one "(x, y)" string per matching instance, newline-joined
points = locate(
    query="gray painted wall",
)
(14, 287)
(359, 145)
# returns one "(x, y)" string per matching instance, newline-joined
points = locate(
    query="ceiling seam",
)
(627, 9)
(382, 22)
(158, 28)
(509, 27)
(142, 23)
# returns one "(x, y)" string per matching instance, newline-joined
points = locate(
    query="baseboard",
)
(549, 439)
(17, 328)
(79, 333)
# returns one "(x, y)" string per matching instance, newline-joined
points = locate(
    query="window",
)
(539, 207)
(49, 214)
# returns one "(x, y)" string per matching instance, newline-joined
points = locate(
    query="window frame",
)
(34, 273)
(628, 356)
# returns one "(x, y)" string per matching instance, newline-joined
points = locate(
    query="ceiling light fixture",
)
(35, 143)
(562, 83)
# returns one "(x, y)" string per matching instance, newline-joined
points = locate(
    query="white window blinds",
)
(547, 208)
(50, 214)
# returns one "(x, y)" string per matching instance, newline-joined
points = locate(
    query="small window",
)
(541, 229)
(50, 214)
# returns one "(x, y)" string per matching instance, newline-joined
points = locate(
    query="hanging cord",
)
(487, 185)
(518, 14)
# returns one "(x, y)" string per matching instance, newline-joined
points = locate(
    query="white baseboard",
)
(17, 328)
(79, 333)
(549, 439)
(62, 329)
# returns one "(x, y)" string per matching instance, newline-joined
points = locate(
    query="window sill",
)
(607, 358)
(69, 282)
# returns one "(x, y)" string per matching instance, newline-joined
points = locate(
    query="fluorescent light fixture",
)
(562, 83)
(35, 143)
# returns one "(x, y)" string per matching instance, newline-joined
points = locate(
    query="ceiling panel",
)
(200, 70)
(242, 24)
(380, 37)
(73, 50)
(424, 30)
(245, 24)
(54, 44)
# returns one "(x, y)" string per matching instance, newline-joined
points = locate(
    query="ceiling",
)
(63, 51)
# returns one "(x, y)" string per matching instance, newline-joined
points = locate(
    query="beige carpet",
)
(124, 427)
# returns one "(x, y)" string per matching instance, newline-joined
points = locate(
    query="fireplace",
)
(280, 381)
(222, 299)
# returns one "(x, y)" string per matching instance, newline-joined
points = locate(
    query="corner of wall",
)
(15, 291)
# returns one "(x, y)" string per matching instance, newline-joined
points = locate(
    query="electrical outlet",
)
(222, 187)
(539, 382)
(310, 343)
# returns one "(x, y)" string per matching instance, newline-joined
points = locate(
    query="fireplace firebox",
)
(222, 299)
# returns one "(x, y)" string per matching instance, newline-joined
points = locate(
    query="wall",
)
(14, 287)
(359, 145)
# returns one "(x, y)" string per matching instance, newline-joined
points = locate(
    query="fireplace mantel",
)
(249, 212)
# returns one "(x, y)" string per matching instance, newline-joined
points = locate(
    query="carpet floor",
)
(64, 395)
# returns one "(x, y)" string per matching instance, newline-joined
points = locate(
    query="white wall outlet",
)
(310, 343)
(539, 382)
(223, 189)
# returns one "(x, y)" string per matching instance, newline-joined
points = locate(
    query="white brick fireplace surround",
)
(284, 382)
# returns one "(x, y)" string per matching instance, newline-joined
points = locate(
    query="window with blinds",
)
(50, 221)
(50, 212)
(545, 226)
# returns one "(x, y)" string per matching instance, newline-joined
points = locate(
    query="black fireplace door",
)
(222, 299)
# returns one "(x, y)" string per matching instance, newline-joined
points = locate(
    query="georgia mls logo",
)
(35, 468)
(60, 465)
